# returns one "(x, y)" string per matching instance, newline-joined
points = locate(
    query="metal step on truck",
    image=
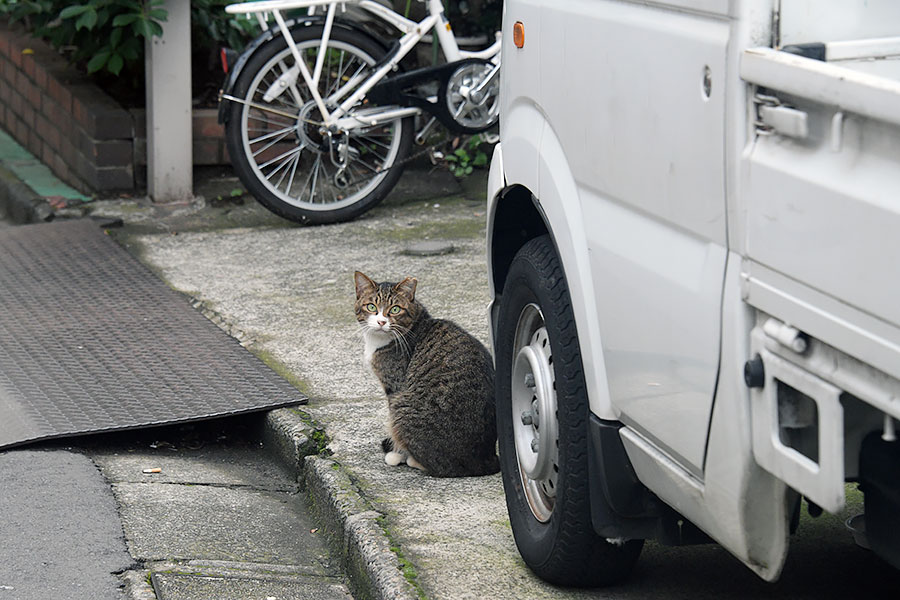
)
(694, 254)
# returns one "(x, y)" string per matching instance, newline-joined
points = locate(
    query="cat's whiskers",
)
(401, 339)
(361, 329)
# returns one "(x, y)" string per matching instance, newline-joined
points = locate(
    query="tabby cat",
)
(439, 382)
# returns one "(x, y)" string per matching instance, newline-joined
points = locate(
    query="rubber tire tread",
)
(235, 144)
(565, 550)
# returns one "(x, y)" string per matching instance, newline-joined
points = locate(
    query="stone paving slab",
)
(208, 512)
(176, 521)
(178, 586)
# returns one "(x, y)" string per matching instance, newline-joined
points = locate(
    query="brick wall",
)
(83, 135)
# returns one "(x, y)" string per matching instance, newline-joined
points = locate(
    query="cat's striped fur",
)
(438, 380)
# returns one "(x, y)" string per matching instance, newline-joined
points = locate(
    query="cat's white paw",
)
(395, 458)
(414, 463)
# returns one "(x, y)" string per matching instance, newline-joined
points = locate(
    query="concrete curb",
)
(349, 520)
(19, 203)
(136, 586)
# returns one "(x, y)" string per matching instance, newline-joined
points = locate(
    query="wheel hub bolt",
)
(529, 380)
(527, 418)
(535, 445)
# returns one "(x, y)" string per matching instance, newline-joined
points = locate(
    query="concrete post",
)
(170, 175)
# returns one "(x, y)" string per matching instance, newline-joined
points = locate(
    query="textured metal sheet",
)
(91, 341)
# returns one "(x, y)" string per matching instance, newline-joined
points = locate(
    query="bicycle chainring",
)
(473, 109)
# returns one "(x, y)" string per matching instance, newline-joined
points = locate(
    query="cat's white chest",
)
(374, 341)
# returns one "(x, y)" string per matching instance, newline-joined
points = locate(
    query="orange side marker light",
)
(519, 34)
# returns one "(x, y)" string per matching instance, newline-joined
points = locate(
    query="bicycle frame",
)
(412, 31)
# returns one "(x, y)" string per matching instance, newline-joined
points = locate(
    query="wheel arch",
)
(532, 191)
(516, 220)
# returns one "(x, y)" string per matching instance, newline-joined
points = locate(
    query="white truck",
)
(694, 254)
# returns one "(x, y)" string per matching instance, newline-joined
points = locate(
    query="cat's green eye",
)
(371, 308)
(394, 310)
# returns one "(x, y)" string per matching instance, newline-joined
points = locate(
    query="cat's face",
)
(386, 307)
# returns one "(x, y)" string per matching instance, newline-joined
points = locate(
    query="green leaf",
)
(123, 20)
(115, 37)
(481, 159)
(130, 48)
(98, 61)
(73, 11)
(102, 17)
(115, 64)
(86, 20)
(142, 28)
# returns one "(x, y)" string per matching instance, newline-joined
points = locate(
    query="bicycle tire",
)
(268, 150)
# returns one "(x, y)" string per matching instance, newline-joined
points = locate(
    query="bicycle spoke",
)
(337, 76)
(351, 84)
(312, 192)
(306, 184)
(261, 107)
(278, 158)
(290, 184)
(372, 140)
(292, 160)
(263, 138)
(267, 146)
(360, 161)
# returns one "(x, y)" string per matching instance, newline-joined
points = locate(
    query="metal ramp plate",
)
(92, 341)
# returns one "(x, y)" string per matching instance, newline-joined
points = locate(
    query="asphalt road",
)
(60, 529)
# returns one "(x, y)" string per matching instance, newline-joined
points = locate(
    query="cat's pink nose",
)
(382, 322)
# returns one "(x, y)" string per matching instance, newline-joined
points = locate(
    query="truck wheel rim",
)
(534, 414)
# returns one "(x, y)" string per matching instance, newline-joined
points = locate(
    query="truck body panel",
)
(724, 208)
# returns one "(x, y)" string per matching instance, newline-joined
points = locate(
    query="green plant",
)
(211, 26)
(106, 37)
(123, 25)
(467, 156)
(100, 34)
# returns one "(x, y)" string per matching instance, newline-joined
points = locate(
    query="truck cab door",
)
(648, 160)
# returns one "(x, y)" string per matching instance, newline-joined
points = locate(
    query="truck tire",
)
(542, 421)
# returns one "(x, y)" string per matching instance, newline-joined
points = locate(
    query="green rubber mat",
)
(92, 341)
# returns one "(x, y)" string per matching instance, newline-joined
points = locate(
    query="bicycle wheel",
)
(276, 144)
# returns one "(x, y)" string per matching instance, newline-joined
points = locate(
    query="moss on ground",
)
(436, 230)
(406, 567)
(280, 368)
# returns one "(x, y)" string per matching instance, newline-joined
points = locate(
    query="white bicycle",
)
(319, 117)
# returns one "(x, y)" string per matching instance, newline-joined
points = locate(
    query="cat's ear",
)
(364, 285)
(407, 288)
